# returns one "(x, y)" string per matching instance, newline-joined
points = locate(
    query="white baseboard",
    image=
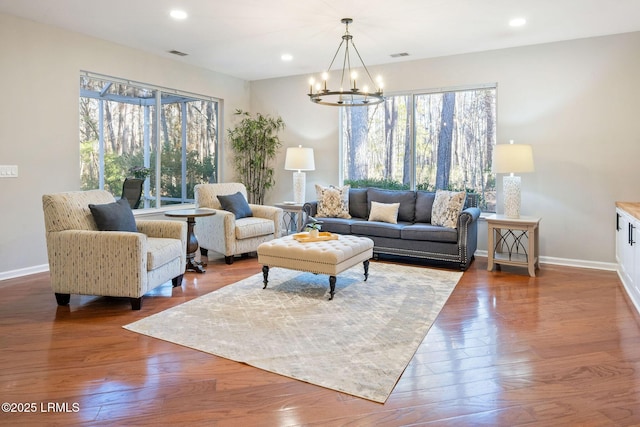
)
(610, 266)
(12, 274)
(597, 265)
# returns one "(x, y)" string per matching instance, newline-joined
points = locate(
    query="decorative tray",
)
(322, 236)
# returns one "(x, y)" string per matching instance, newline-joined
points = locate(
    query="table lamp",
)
(512, 158)
(299, 159)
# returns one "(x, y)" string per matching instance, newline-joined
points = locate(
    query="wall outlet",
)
(8, 171)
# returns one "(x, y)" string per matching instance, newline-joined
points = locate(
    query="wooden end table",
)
(506, 242)
(192, 240)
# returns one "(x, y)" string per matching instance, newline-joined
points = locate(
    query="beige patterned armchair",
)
(85, 261)
(225, 234)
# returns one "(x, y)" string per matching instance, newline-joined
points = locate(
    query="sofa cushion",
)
(236, 204)
(428, 232)
(116, 216)
(358, 205)
(447, 207)
(377, 229)
(339, 225)
(249, 227)
(333, 202)
(161, 250)
(407, 200)
(385, 212)
(424, 204)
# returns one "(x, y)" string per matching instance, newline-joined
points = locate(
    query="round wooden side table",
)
(192, 240)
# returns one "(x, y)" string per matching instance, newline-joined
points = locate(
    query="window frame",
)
(411, 105)
(151, 144)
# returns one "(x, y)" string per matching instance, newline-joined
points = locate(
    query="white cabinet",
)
(628, 253)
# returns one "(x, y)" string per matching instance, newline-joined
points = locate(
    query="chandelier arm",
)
(346, 63)
(335, 55)
(364, 66)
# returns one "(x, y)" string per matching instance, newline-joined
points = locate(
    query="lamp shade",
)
(300, 159)
(512, 158)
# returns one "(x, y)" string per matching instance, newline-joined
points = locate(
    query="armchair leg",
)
(228, 259)
(63, 299)
(136, 303)
(177, 281)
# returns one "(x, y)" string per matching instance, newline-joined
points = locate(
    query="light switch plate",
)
(8, 171)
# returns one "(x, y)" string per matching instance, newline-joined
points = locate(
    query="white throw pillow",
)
(385, 212)
(447, 207)
(333, 202)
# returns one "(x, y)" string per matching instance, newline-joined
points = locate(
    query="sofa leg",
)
(228, 259)
(63, 299)
(177, 281)
(136, 303)
(204, 252)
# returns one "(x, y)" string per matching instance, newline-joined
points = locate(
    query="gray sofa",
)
(413, 235)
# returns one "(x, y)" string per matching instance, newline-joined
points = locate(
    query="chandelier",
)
(352, 96)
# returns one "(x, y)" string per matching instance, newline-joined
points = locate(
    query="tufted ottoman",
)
(330, 257)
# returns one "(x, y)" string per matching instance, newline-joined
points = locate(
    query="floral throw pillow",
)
(333, 202)
(447, 207)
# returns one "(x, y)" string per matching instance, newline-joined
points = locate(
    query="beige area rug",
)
(359, 343)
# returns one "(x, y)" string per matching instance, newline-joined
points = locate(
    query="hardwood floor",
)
(559, 349)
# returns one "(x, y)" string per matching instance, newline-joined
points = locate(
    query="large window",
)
(128, 126)
(425, 141)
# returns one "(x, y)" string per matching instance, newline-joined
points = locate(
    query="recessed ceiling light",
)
(517, 22)
(286, 57)
(178, 14)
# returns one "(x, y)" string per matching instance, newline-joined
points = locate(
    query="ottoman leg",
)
(332, 286)
(366, 269)
(265, 275)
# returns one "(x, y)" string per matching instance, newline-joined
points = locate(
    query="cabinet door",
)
(634, 270)
(621, 236)
(625, 245)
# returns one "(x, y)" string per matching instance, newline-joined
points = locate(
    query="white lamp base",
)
(299, 186)
(511, 189)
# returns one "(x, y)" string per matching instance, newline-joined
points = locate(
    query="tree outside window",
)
(424, 141)
(123, 127)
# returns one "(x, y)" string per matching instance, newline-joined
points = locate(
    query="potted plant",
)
(139, 172)
(255, 144)
(313, 227)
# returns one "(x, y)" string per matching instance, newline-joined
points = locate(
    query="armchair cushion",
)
(235, 203)
(247, 228)
(160, 251)
(115, 216)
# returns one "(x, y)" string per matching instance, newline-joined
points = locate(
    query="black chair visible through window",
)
(132, 191)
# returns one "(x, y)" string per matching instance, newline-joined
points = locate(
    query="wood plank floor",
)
(559, 349)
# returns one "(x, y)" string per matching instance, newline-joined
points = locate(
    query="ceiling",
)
(246, 38)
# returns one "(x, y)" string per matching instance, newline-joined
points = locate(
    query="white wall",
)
(575, 102)
(39, 85)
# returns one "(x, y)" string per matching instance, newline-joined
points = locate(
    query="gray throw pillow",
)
(116, 216)
(236, 204)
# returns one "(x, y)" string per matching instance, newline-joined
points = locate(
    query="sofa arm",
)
(116, 260)
(167, 229)
(217, 232)
(468, 216)
(468, 235)
(311, 210)
(163, 228)
(269, 212)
